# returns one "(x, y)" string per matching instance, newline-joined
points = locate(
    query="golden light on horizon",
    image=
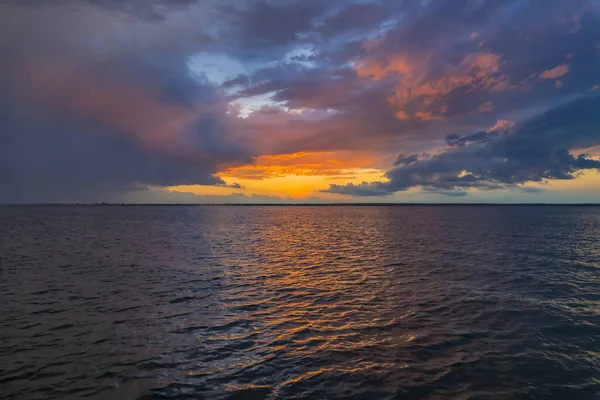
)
(294, 186)
(295, 175)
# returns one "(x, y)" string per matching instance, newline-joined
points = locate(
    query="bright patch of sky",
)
(217, 68)
(303, 56)
(247, 105)
(214, 67)
(312, 113)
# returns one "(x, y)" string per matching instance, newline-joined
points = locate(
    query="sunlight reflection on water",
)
(334, 302)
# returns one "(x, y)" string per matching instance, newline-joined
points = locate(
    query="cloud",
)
(535, 150)
(555, 72)
(361, 189)
(532, 189)
(486, 106)
(78, 126)
(268, 24)
(418, 87)
(99, 99)
(403, 86)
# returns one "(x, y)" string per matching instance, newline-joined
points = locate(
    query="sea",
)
(300, 302)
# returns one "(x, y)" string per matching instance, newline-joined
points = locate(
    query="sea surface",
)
(300, 302)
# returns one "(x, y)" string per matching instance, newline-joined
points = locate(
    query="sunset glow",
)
(300, 199)
(351, 102)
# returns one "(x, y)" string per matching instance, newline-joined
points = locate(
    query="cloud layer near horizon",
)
(101, 99)
(536, 150)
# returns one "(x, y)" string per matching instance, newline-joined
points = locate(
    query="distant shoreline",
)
(299, 204)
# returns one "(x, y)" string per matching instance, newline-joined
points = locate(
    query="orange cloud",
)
(378, 69)
(476, 71)
(339, 164)
(485, 107)
(402, 115)
(555, 72)
(501, 125)
(427, 116)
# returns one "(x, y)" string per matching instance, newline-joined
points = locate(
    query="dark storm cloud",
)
(462, 73)
(429, 67)
(268, 24)
(99, 97)
(535, 150)
(452, 61)
(71, 155)
(145, 9)
(359, 17)
(150, 10)
(87, 116)
(456, 140)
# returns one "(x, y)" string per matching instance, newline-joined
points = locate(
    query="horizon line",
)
(294, 204)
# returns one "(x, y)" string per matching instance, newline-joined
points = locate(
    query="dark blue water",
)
(455, 302)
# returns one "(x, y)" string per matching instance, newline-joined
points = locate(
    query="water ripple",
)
(299, 302)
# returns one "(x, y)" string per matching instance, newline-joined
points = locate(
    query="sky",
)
(294, 101)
